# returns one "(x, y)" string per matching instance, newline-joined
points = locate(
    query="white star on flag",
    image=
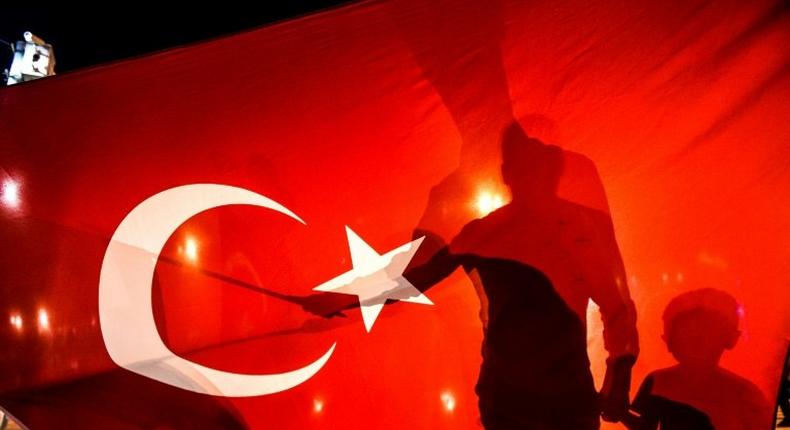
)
(376, 278)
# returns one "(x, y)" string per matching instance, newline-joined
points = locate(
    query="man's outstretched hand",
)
(328, 305)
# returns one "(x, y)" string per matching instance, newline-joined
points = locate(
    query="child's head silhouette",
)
(700, 325)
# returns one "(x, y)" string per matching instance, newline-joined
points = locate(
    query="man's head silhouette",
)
(700, 325)
(530, 168)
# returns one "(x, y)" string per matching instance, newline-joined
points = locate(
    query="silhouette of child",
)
(697, 393)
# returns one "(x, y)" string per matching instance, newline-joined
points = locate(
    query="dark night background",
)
(87, 35)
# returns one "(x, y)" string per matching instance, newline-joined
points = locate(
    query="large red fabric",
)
(367, 116)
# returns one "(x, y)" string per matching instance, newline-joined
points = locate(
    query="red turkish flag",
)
(660, 131)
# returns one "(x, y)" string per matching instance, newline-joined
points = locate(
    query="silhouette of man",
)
(697, 393)
(539, 260)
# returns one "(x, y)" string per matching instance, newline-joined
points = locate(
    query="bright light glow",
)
(43, 320)
(191, 249)
(318, 405)
(10, 195)
(488, 202)
(665, 277)
(448, 401)
(679, 277)
(16, 322)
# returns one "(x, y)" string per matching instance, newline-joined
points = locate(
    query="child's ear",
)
(733, 339)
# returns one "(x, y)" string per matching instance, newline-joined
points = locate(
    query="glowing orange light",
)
(191, 249)
(488, 201)
(43, 320)
(448, 401)
(10, 194)
(318, 405)
(16, 322)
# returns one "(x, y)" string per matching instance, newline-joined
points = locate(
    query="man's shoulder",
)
(478, 229)
(469, 232)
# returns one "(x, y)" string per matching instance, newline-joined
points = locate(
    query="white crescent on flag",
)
(125, 308)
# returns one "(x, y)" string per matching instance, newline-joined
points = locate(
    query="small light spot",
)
(10, 194)
(488, 202)
(665, 277)
(16, 322)
(43, 320)
(191, 249)
(318, 405)
(679, 277)
(448, 401)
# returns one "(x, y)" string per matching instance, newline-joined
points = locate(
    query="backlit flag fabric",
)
(172, 225)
